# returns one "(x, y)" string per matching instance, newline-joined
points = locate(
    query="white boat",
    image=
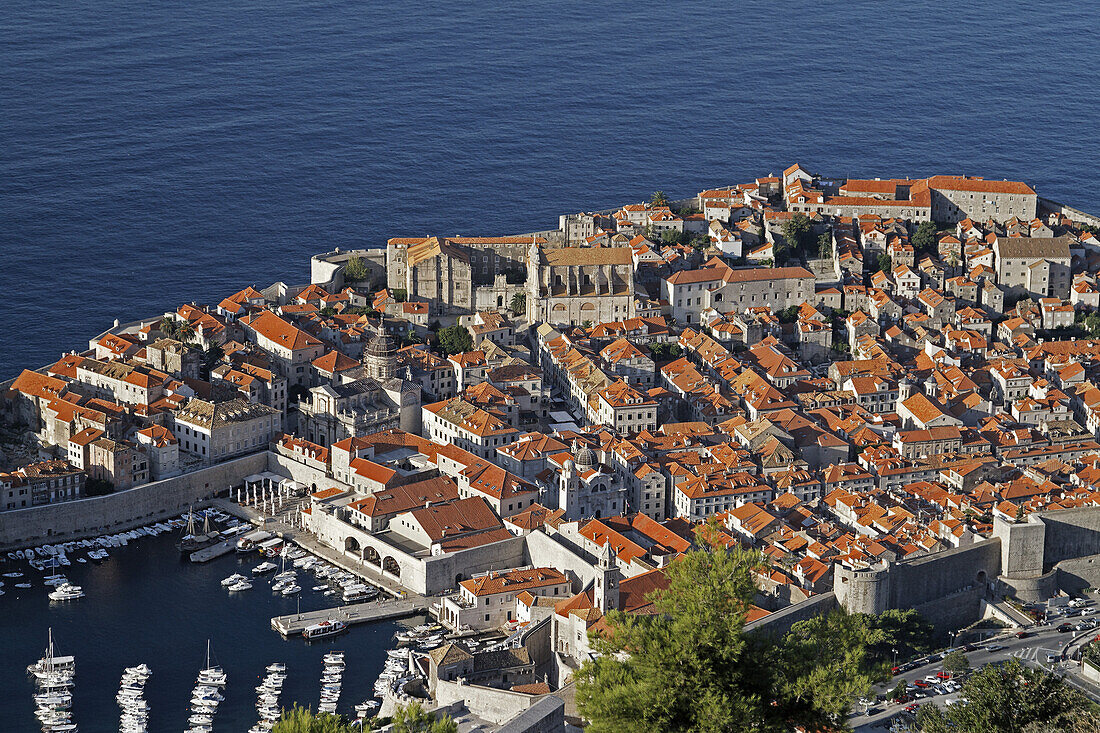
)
(67, 592)
(329, 627)
(232, 579)
(291, 589)
(264, 567)
(239, 586)
(13, 575)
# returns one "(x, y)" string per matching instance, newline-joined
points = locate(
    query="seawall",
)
(123, 510)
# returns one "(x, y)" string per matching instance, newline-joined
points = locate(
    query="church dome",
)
(382, 344)
(585, 458)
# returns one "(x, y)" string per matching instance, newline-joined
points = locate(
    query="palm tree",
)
(185, 332)
(659, 199)
(167, 326)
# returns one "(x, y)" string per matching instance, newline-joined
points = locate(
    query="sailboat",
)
(191, 541)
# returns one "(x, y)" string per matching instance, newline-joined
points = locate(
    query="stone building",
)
(218, 431)
(363, 399)
(120, 462)
(955, 198)
(1039, 266)
(586, 488)
(572, 285)
(458, 275)
(44, 482)
(174, 357)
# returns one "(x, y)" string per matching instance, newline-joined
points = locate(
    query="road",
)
(1032, 650)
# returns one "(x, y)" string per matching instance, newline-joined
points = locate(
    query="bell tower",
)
(605, 595)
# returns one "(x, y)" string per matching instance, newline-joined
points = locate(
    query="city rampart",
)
(123, 510)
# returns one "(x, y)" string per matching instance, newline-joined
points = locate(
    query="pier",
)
(207, 554)
(356, 613)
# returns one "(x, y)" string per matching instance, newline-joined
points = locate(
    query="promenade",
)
(309, 543)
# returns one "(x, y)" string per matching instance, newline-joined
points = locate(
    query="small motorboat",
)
(239, 586)
(291, 589)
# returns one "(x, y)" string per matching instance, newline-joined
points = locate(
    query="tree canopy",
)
(692, 667)
(518, 304)
(455, 340)
(955, 662)
(355, 270)
(924, 239)
(797, 231)
(658, 199)
(413, 718)
(303, 720)
(1010, 698)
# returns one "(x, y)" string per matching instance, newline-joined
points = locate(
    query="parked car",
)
(944, 675)
(995, 647)
(912, 708)
(1064, 627)
(922, 684)
(1022, 634)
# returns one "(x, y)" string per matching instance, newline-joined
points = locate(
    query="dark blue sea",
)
(153, 153)
(144, 605)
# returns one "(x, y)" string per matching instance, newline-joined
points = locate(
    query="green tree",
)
(924, 239)
(98, 487)
(903, 630)
(1092, 323)
(1008, 698)
(168, 326)
(691, 666)
(825, 246)
(898, 692)
(658, 199)
(796, 230)
(185, 332)
(455, 340)
(355, 270)
(955, 662)
(518, 304)
(670, 236)
(211, 356)
(884, 263)
(788, 314)
(302, 720)
(413, 718)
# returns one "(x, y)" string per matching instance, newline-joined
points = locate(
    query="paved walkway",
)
(310, 544)
(351, 614)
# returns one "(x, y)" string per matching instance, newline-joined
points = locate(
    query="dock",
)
(356, 613)
(218, 549)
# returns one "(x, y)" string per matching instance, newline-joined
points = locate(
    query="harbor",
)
(145, 603)
(358, 613)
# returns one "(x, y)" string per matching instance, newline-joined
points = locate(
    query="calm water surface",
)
(145, 605)
(156, 153)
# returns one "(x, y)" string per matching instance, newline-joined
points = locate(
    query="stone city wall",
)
(488, 703)
(547, 715)
(123, 510)
(779, 623)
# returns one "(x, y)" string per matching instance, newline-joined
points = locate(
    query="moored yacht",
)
(328, 627)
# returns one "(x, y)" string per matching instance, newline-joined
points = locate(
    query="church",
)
(365, 399)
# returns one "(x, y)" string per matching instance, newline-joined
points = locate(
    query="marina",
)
(167, 607)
